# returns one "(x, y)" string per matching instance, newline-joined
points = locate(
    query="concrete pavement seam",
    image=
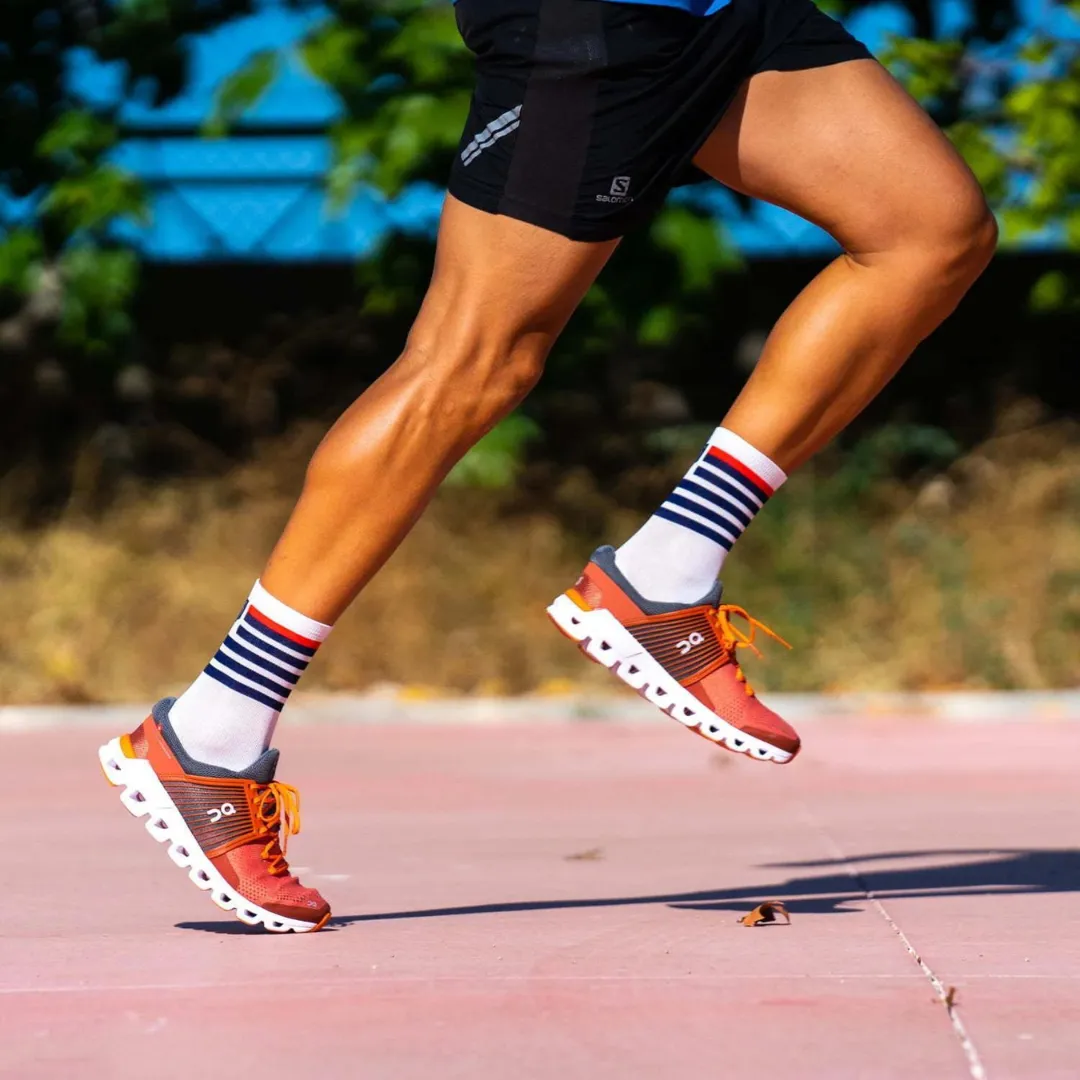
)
(974, 1061)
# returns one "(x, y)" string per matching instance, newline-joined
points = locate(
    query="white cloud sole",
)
(608, 642)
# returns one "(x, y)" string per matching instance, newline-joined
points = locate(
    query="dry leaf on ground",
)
(766, 913)
(592, 855)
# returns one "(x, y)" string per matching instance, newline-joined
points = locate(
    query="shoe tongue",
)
(712, 597)
(263, 770)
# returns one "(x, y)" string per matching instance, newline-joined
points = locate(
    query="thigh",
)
(845, 147)
(498, 278)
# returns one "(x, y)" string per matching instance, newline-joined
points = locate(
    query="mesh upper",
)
(262, 888)
(723, 693)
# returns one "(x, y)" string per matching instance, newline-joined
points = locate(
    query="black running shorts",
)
(587, 112)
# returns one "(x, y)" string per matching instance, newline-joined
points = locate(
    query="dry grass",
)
(971, 580)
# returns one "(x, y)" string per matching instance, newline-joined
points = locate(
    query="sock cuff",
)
(285, 616)
(727, 442)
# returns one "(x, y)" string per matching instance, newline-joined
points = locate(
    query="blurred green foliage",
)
(1015, 119)
(496, 460)
(878, 455)
(241, 91)
(66, 280)
(403, 77)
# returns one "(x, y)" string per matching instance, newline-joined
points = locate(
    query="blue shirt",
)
(695, 7)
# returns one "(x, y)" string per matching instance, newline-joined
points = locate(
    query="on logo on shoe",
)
(688, 643)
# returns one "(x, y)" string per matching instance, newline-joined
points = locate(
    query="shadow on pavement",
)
(837, 891)
(235, 926)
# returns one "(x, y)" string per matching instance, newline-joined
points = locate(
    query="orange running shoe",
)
(227, 829)
(680, 657)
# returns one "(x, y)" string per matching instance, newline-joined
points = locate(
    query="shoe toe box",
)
(725, 694)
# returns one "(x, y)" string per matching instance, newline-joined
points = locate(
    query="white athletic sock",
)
(227, 716)
(676, 556)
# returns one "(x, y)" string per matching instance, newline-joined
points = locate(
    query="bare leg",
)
(501, 293)
(848, 149)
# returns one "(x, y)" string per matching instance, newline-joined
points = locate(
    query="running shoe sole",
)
(604, 639)
(143, 796)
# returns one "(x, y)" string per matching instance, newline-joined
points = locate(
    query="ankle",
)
(677, 555)
(228, 714)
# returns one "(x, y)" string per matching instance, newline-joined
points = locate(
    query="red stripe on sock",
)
(735, 463)
(283, 630)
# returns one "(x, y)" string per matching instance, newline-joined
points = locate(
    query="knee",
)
(959, 242)
(970, 243)
(467, 381)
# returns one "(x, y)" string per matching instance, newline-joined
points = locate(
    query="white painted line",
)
(351, 980)
(472, 979)
(974, 1061)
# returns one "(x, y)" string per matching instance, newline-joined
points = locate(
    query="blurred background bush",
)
(216, 220)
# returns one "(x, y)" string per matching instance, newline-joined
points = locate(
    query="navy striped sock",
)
(677, 554)
(227, 716)
(261, 659)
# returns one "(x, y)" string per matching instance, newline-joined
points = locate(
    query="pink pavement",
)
(469, 942)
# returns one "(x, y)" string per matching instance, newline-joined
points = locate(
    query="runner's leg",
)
(502, 291)
(500, 294)
(846, 148)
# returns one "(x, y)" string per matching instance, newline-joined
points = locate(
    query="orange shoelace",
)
(732, 638)
(277, 811)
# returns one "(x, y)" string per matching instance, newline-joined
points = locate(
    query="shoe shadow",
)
(835, 892)
(234, 926)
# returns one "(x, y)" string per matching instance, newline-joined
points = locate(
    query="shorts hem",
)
(824, 56)
(584, 231)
